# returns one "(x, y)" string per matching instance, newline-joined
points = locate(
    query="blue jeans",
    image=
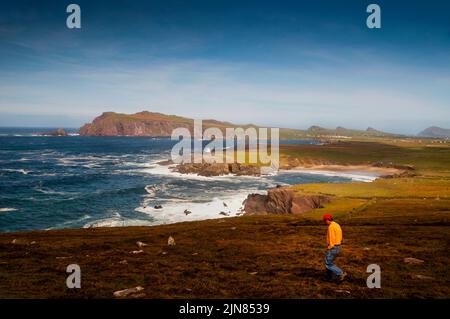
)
(329, 258)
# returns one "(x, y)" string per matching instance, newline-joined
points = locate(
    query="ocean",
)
(76, 181)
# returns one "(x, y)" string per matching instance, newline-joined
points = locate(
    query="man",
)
(334, 241)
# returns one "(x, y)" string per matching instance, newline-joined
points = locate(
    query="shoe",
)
(341, 278)
(329, 275)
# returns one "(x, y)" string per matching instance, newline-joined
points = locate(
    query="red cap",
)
(327, 216)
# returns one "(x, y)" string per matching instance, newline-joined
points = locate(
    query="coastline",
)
(364, 173)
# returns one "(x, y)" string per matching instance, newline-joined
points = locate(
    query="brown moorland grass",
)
(243, 257)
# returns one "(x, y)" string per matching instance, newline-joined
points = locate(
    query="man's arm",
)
(331, 238)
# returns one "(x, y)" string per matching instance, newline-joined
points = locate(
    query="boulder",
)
(413, 261)
(282, 200)
(141, 244)
(57, 132)
(128, 292)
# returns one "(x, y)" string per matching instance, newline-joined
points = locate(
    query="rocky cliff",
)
(139, 124)
(282, 201)
(216, 169)
(146, 124)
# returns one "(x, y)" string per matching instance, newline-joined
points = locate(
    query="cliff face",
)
(139, 124)
(145, 124)
(282, 201)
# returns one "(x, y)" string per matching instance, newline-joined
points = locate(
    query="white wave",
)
(53, 192)
(354, 176)
(218, 207)
(118, 222)
(7, 209)
(69, 222)
(22, 171)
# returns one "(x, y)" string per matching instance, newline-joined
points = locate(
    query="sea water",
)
(77, 181)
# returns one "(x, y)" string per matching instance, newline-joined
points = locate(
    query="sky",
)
(273, 63)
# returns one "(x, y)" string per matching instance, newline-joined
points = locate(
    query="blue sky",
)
(275, 63)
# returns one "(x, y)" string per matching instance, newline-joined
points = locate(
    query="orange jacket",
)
(334, 235)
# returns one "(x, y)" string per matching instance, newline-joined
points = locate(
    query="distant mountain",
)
(434, 131)
(345, 132)
(157, 124)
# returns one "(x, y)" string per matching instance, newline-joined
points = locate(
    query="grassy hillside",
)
(425, 157)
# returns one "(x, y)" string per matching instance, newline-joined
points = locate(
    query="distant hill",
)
(144, 124)
(434, 131)
(157, 124)
(345, 132)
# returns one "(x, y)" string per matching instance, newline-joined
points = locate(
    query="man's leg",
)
(329, 258)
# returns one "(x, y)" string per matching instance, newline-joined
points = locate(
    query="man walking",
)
(334, 241)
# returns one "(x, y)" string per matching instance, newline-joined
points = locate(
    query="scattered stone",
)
(224, 204)
(171, 241)
(164, 253)
(128, 292)
(141, 244)
(224, 214)
(233, 228)
(413, 261)
(33, 243)
(423, 277)
(366, 248)
(253, 273)
(187, 212)
(343, 291)
(14, 241)
(137, 251)
(62, 257)
(123, 262)
(158, 207)
(194, 254)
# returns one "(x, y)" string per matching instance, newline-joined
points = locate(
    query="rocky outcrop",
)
(139, 124)
(216, 169)
(57, 132)
(146, 124)
(282, 201)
